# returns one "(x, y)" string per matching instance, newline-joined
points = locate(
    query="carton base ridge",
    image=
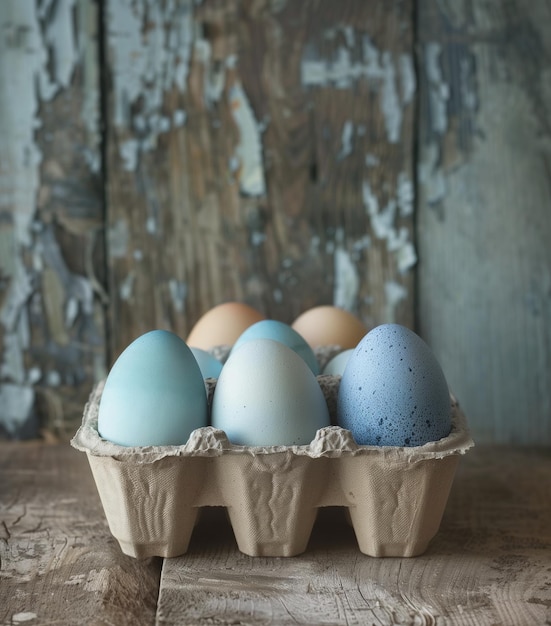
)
(393, 497)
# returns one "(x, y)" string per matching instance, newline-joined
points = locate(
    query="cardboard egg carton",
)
(153, 496)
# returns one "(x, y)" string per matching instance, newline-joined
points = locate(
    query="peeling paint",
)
(384, 227)
(45, 41)
(127, 287)
(408, 81)
(371, 160)
(118, 237)
(178, 294)
(390, 101)
(347, 136)
(439, 91)
(342, 70)
(146, 64)
(431, 175)
(405, 194)
(249, 149)
(17, 403)
(347, 280)
(394, 294)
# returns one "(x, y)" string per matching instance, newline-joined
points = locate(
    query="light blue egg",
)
(393, 391)
(267, 395)
(210, 366)
(154, 394)
(336, 365)
(279, 331)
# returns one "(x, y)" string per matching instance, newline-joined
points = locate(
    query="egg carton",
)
(153, 496)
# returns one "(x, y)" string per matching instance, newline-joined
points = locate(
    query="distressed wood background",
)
(390, 157)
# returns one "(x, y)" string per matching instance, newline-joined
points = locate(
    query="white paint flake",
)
(347, 280)
(408, 82)
(347, 135)
(390, 102)
(23, 617)
(249, 149)
(394, 294)
(178, 294)
(127, 287)
(405, 193)
(439, 92)
(17, 402)
(147, 62)
(343, 69)
(383, 223)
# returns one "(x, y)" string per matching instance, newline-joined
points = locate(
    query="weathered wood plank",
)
(489, 564)
(51, 251)
(259, 151)
(58, 561)
(484, 222)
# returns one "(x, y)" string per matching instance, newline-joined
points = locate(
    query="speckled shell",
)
(393, 391)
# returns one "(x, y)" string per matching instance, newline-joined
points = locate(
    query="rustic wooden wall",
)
(161, 157)
(52, 337)
(484, 209)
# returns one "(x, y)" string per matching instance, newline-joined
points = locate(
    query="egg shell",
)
(222, 325)
(266, 395)
(210, 366)
(330, 325)
(154, 394)
(279, 331)
(337, 364)
(393, 391)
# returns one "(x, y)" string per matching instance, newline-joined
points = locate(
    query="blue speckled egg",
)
(154, 394)
(393, 391)
(278, 331)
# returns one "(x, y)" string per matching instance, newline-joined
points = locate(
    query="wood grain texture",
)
(483, 218)
(490, 563)
(259, 151)
(58, 562)
(52, 341)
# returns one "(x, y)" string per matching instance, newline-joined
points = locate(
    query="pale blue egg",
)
(279, 331)
(266, 395)
(154, 394)
(335, 367)
(210, 366)
(393, 391)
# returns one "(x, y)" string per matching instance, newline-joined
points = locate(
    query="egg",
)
(393, 391)
(154, 394)
(329, 325)
(279, 331)
(210, 367)
(266, 395)
(222, 325)
(335, 367)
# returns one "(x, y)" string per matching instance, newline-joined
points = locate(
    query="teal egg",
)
(283, 333)
(154, 394)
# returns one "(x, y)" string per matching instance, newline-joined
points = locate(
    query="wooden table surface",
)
(490, 563)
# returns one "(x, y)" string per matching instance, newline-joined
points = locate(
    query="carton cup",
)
(395, 496)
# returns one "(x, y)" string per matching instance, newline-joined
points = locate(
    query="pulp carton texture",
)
(152, 496)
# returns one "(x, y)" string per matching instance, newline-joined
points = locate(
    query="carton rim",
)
(332, 441)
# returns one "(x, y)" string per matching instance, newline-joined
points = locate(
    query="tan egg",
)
(222, 325)
(329, 325)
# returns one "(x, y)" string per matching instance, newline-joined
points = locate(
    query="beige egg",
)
(329, 325)
(222, 325)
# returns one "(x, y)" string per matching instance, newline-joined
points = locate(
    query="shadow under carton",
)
(152, 496)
